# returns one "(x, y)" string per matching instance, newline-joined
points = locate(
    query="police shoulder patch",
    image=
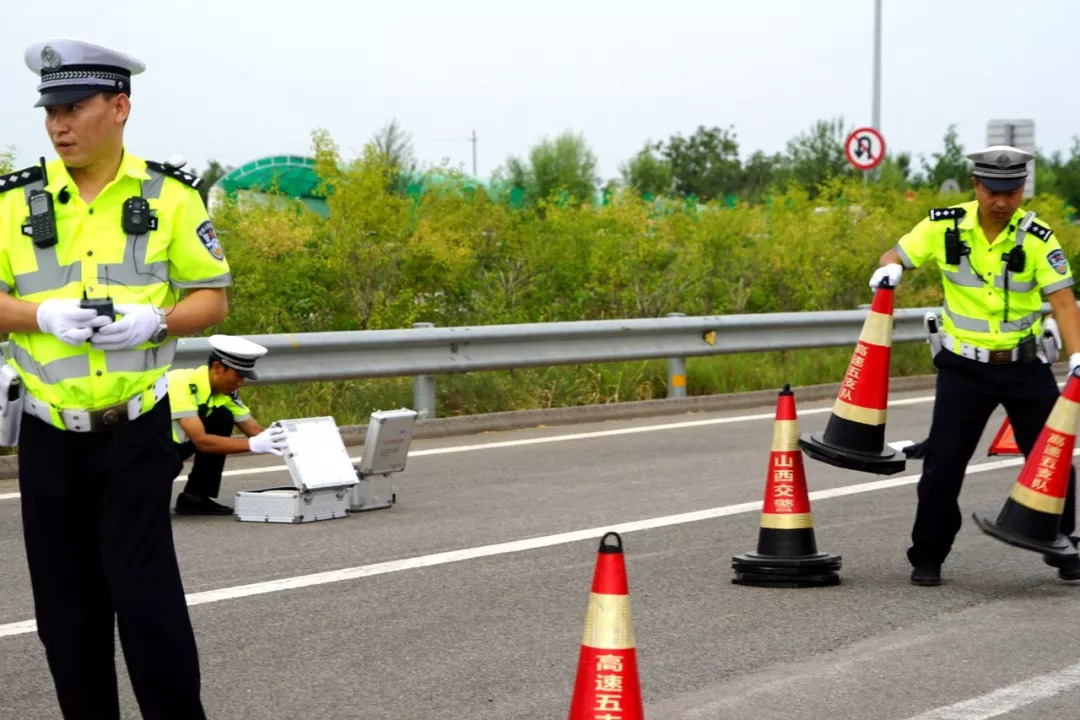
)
(208, 237)
(949, 213)
(1056, 258)
(192, 181)
(1040, 231)
(19, 178)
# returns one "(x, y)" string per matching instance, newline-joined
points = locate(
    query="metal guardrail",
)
(425, 351)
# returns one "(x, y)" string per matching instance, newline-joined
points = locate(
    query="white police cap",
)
(73, 70)
(1001, 168)
(237, 353)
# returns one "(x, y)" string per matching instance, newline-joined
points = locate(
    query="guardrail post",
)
(676, 371)
(424, 388)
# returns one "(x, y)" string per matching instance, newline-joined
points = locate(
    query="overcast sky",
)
(238, 79)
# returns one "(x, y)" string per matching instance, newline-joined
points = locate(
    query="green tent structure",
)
(291, 176)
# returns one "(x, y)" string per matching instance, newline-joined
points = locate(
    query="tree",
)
(706, 164)
(816, 156)
(564, 164)
(761, 173)
(214, 172)
(1055, 175)
(7, 160)
(394, 147)
(647, 173)
(950, 164)
(895, 171)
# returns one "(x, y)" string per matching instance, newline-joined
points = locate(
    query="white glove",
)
(271, 440)
(69, 322)
(135, 326)
(1074, 363)
(893, 271)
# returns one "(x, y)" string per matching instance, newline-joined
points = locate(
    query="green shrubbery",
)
(455, 256)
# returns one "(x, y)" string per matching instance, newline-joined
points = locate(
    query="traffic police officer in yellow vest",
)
(96, 463)
(998, 263)
(205, 403)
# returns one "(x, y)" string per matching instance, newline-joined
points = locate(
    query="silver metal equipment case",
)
(322, 475)
(386, 447)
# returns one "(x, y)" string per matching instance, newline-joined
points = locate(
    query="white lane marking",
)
(564, 438)
(1007, 699)
(423, 561)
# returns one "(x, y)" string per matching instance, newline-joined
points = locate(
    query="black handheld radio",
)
(42, 214)
(954, 248)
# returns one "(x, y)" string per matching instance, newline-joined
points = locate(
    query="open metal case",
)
(322, 475)
(386, 448)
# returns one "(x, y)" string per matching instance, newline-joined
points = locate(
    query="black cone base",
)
(1003, 528)
(786, 581)
(757, 569)
(886, 461)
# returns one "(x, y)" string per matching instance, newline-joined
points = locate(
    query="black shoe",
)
(1057, 561)
(926, 574)
(188, 504)
(1069, 569)
(916, 451)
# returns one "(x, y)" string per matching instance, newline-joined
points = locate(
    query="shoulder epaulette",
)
(187, 178)
(1040, 231)
(949, 213)
(19, 178)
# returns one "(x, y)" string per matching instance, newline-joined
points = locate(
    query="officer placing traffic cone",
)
(998, 265)
(854, 438)
(1031, 516)
(787, 554)
(606, 685)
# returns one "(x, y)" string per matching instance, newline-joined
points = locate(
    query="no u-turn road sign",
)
(865, 148)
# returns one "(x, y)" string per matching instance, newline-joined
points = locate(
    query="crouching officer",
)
(997, 264)
(95, 248)
(205, 405)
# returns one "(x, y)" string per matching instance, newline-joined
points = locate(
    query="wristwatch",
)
(161, 333)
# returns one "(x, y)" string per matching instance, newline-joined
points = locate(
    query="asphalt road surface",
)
(466, 600)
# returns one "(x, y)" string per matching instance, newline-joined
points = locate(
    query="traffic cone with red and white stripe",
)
(607, 686)
(854, 438)
(1031, 515)
(787, 554)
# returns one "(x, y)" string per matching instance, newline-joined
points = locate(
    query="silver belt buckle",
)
(106, 418)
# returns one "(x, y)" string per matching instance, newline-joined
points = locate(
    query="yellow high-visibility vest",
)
(975, 294)
(95, 258)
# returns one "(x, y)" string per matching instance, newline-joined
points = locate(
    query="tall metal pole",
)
(877, 75)
(877, 65)
(473, 138)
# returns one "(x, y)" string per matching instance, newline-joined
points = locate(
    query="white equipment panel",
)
(322, 475)
(386, 449)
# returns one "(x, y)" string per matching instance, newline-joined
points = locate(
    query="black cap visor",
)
(1002, 184)
(67, 96)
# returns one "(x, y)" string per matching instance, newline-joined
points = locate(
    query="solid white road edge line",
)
(1006, 699)
(423, 561)
(563, 438)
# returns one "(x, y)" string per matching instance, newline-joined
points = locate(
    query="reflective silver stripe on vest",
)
(78, 366)
(140, 360)
(1023, 323)
(967, 323)
(50, 275)
(133, 270)
(963, 276)
(1020, 286)
(69, 368)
